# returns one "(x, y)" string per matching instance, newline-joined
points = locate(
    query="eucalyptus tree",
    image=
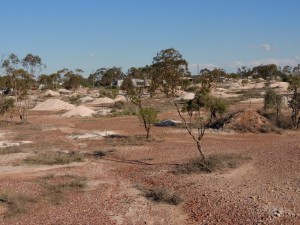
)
(146, 114)
(294, 103)
(171, 68)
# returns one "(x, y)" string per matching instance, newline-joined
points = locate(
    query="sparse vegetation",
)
(57, 187)
(213, 163)
(99, 154)
(75, 100)
(161, 195)
(16, 203)
(54, 158)
(147, 115)
(128, 140)
(10, 150)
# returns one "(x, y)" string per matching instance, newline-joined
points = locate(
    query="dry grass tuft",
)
(10, 150)
(54, 158)
(58, 187)
(161, 195)
(15, 202)
(213, 163)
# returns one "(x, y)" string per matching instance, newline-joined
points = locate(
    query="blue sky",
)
(91, 34)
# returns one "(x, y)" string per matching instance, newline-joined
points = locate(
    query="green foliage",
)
(148, 117)
(110, 93)
(105, 76)
(75, 100)
(170, 68)
(272, 101)
(6, 104)
(203, 100)
(265, 71)
(73, 80)
(294, 103)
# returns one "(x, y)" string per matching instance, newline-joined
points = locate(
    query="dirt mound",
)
(51, 93)
(79, 111)
(253, 100)
(120, 98)
(186, 95)
(64, 91)
(247, 120)
(86, 99)
(102, 102)
(53, 105)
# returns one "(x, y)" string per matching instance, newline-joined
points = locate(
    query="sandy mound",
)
(86, 99)
(220, 94)
(51, 93)
(80, 111)
(64, 91)
(248, 121)
(120, 98)
(253, 100)
(53, 105)
(186, 95)
(94, 93)
(283, 86)
(102, 102)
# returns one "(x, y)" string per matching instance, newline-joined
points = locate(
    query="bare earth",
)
(265, 190)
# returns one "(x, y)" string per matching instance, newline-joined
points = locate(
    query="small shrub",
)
(15, 203)
(75, 100)
(162, 195)
(118, 106)
(128, 140)
(110, 93)
(57, 187)
(54, 158)
(284, 122)
(212, 164)
(245, 82)
(10, 150)
(99, 154)
(192, 89)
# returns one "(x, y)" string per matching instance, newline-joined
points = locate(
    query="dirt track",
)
(265, 190)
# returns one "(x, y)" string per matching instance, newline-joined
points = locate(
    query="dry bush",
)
(15, 202)
(57, 187)
(99, 154)
(75, 100)
(161, 195)
(128, 140)
(213, 163)
(10, 150)
(54, 158)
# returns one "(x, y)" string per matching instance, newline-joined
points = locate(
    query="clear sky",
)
(91, 34)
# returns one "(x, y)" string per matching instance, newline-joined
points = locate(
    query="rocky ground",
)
(263, 190)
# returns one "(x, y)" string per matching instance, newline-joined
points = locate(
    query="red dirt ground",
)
(265, 190)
